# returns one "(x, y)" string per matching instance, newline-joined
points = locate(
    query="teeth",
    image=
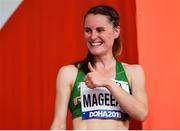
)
(95, 43)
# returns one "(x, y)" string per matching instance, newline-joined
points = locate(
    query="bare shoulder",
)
(68, 70)
(133, 68)
(134, 72)
(67, 74)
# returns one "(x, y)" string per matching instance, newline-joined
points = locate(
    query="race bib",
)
(99, 103)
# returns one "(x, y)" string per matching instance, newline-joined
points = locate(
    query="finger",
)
(90, 67)
(87, 77)
(89, 85)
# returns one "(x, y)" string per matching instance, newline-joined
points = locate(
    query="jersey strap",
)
(121, 74)
(74, 103)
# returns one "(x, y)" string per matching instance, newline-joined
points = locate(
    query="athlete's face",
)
(99, 34)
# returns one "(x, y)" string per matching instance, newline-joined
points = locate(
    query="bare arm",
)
(63, 91)
(136, 104)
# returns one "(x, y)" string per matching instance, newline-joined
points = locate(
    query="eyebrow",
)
(96, 27)
(87, 28)
(100, 28)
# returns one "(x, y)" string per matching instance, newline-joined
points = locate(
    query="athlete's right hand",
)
(94, 79)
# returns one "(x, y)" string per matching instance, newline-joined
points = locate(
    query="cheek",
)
(109, 37)
(86, 36)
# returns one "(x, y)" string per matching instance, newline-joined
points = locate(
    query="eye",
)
(100, 29)
(87, 30)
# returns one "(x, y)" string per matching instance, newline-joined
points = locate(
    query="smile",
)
(95, 43)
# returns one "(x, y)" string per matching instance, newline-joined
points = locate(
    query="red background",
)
(158, 34)
(43, 35)
(40, 37)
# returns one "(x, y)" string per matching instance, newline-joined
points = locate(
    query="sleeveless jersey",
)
(75, 98)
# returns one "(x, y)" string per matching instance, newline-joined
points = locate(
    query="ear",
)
(116, 32)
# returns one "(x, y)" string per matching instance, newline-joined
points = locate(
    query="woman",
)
(101, 92)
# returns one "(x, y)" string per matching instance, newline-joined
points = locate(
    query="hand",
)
(94, 79)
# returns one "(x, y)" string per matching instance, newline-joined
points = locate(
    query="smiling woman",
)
(117, 87)
(99, 34)
(34, 45)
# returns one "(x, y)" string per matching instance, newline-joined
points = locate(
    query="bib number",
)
(99, 103)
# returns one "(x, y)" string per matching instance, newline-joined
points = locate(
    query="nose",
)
(94, 35)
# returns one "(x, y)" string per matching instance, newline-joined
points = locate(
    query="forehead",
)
(96, 20)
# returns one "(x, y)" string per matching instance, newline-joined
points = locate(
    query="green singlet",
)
(75, 102)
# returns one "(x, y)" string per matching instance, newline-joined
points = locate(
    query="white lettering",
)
(108, 114)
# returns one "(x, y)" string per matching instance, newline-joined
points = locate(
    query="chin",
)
(97, 54)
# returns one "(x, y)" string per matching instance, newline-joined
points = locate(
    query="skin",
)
(99, 34)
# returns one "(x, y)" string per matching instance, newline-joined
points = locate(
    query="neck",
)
(104, 62)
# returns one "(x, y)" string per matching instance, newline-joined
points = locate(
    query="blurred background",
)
(42, 35)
